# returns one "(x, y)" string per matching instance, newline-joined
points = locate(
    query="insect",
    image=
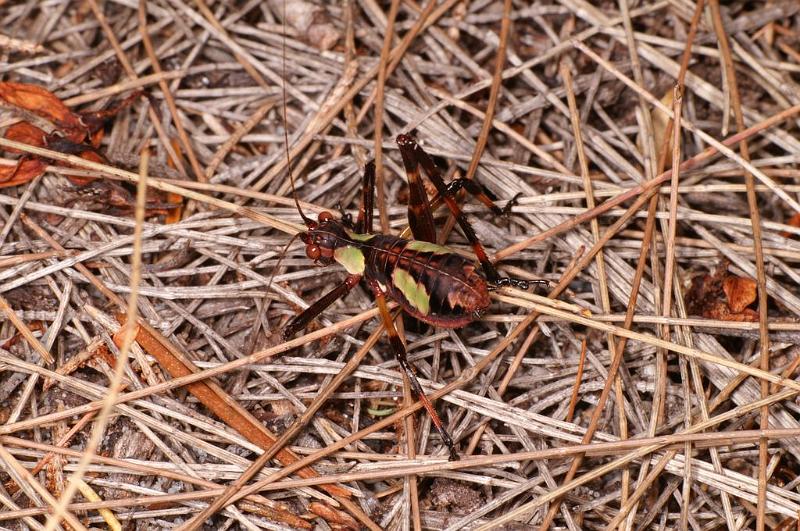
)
(430, 282)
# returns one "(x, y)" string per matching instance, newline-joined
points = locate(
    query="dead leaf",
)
(722, 312)
(25, 133)
(94, 121)
(23, 172)
(69, 147)
(794, 221)
(722, 296)
(70, 135)
(661, 121)
(741, 292)
(41, 102)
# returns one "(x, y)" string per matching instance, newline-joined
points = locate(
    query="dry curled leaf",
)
(661, 122)
(722, 296)
(740, 292)
(40, 102)
(77, 134)
(24, 171)
(94, 121)
(794, 221)
(25, 133)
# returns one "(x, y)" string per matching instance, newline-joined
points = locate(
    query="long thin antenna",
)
(308, 221)
(280, 259)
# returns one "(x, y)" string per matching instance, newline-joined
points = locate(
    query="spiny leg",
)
(420, 216)
(364, 220)
(301, 320)
(481, 194)
(363, 225)
(413, 153)
(400, 353)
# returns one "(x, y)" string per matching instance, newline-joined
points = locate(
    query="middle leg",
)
(400, 354)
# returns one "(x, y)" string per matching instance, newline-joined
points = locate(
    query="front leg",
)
(301, 320)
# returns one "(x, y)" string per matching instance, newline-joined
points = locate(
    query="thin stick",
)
(573, 401)
(25, 331)
(494, 91)
(232, 491)
(25, 479)
(761, 276)
(199, 173)
(688, 164)
(128, 335)
(643, 447)
(131, 72)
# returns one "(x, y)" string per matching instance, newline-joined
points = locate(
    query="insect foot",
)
(501, 282)
(448, 441)
(405, 140)
(508, 281)
(511, 204)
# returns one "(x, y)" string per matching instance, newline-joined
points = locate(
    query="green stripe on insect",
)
(351, 258)
(414, 292)
(427, 247)
(360, 237)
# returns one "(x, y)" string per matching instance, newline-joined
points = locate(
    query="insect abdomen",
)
(431, 282)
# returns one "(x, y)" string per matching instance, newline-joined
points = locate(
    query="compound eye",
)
(313, 252)
(325, 216)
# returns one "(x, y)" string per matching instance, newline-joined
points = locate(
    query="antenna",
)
(280, 259)
(308, 221)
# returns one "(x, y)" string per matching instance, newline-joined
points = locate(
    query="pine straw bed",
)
(702, 301)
